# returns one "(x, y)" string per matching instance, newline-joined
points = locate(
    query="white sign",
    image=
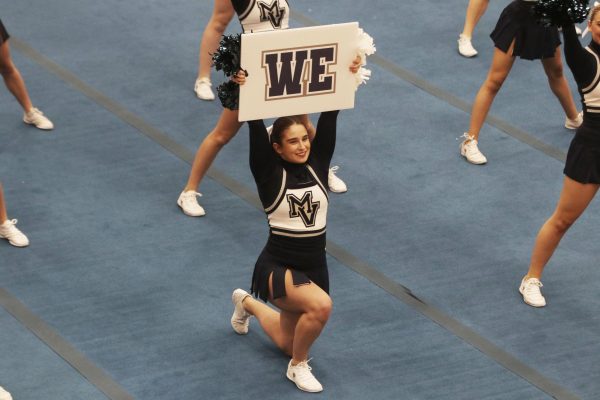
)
(298, 71)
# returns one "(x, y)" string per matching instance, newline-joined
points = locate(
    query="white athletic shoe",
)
(465, 47)
(300, 374)
(37, 118)
(188, 203)
(4, 395)
(470, 151)
(9, 231)
(336, 185)
(203, 90)
(574, 123)
(532, 295)
(240, 320)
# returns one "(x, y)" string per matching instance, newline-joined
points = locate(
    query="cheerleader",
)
(222, 14)
(15, 84)
(517, 34)
(250, 16)
(582, 168)
(475, 11)
(291, 272)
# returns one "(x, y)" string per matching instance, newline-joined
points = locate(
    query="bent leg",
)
(304, 312)
(12, 78)
(553, 68)
(313, 306)
(222, 14)
(279, 326)
(574, 199)
(226, 128)
(501, 66)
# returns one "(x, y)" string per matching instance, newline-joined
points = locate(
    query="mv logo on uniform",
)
(304, 208)
(272, 13)
(300, 71)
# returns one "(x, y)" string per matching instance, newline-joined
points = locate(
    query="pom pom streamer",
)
(227, 56)
(227, 59)
(229, 94)
(366, 47)
(561, 12)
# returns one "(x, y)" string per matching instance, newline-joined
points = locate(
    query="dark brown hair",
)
(281, 125)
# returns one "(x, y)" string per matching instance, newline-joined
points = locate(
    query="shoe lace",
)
(534, 282)
(532, 287)
(35, 112)
(190, 194)
(304, 365)
(11, 222)
(465, 136)
(10, 227)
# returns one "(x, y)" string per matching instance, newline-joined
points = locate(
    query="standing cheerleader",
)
(15, 84)
(475, 10)
(222, 14)
(517, 34)
(582, 168)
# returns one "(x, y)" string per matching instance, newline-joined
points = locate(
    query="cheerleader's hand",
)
(240, 77)
(356, 64)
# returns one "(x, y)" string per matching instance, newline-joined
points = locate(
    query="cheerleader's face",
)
(594, 27)
(295, 146)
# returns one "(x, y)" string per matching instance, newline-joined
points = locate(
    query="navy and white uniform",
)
(532, 40)
(583, 158)
(3, 33)
(262, 15)
(295, 199)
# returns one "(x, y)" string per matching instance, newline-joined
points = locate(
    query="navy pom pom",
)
(227, 56)
(227, 59)
(561, 12)
(229, 94)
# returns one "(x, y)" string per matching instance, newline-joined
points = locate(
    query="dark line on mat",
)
(454, 101)
(456, 327)
(372, 274)
(60, 346)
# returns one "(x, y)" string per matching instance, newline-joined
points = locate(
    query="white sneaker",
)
(9, 231)
(4, 395)
(37, 118)
(300, 374)
(532, 295)
(203, 90)
(574, 123)
(188, 203)
(465, 47)
(336, 185)
(240, 320)
(470, 151)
